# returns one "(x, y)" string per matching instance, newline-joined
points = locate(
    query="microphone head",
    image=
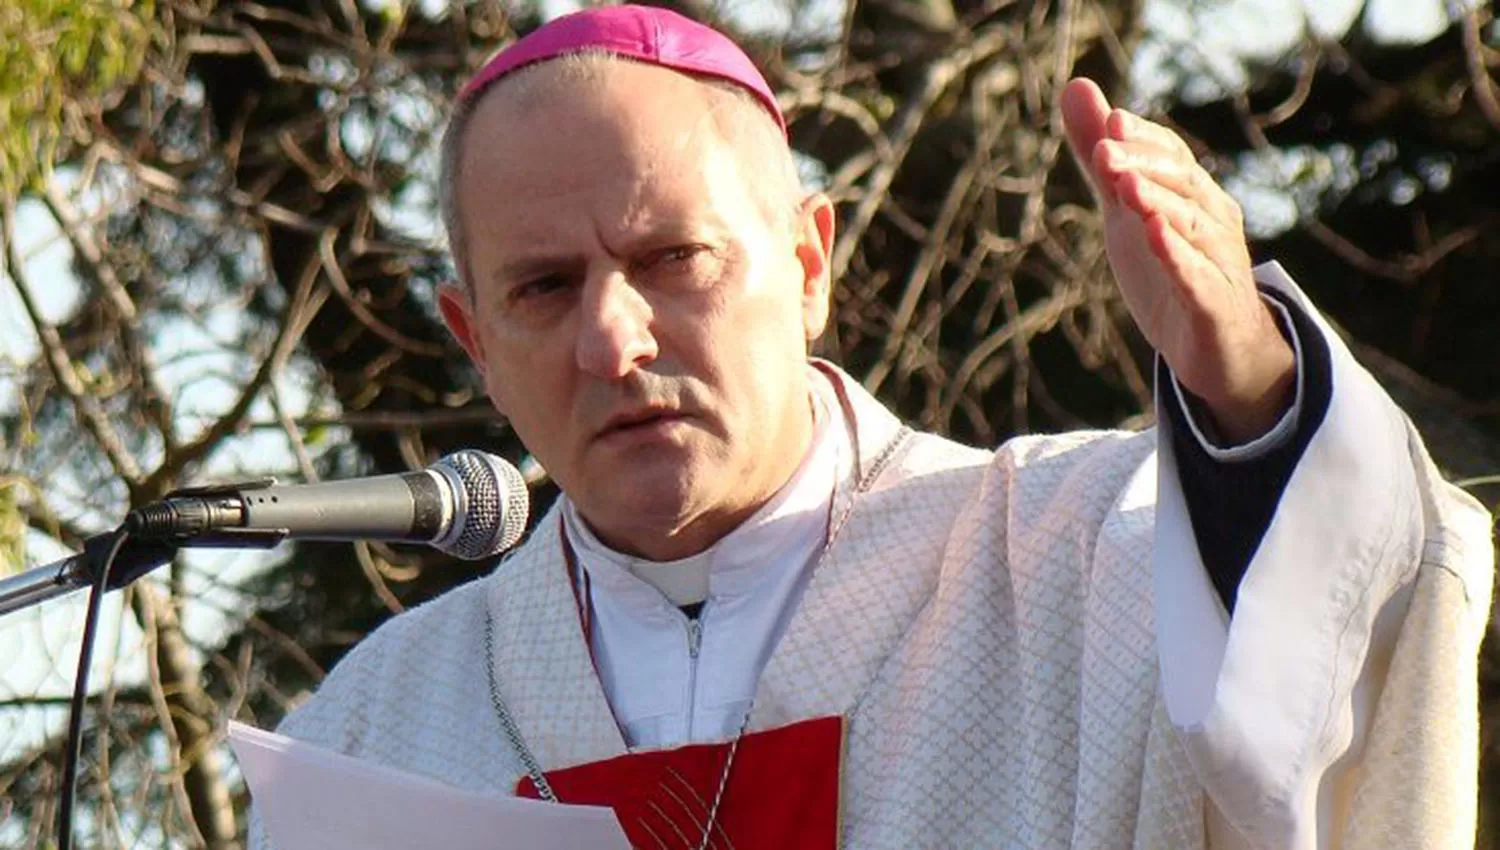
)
(491, 504)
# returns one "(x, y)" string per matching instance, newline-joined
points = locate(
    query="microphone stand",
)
(126, 558)
(77, 572)
(139, 556)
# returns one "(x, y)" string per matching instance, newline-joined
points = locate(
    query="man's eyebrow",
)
(673, 232)
(529, 266)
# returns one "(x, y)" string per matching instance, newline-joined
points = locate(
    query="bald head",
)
(594, 83)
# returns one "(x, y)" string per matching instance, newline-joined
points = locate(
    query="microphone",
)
(469, 504)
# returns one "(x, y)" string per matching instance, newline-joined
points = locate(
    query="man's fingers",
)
(1085, 110)
(1114, 161)
(1125, 126)
(1216, 244)
(1184, 261)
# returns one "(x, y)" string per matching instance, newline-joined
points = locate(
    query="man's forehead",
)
(630, 158)
(573, 82)
(555, 124)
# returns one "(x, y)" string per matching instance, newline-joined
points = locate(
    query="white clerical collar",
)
(786, 530)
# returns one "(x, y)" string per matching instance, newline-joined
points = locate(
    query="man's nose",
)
(614, 332)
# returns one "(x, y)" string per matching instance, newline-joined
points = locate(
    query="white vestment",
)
(990, 624)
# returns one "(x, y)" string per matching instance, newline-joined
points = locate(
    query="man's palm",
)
(1177, 248)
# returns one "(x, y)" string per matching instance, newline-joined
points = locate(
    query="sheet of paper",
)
(310, 798)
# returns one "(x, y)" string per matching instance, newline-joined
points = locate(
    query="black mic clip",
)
(206, 517)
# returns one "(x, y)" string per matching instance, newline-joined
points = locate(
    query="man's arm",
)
(1232, 490)
(1342, 688)
(1338, 705)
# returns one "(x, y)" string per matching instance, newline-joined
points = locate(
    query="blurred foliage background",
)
(221, 241)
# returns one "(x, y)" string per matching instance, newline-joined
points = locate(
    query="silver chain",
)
(713, 811)
(507, 723)
(513, 732)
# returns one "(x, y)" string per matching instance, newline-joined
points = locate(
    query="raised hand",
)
(1176, 243)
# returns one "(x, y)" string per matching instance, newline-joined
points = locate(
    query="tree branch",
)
(930, 261)
(186, 715)
(136, 351)
(940, 74)
(299, 314)
(398, 420)
(335, 273)
(85, 406)
(1479, 72)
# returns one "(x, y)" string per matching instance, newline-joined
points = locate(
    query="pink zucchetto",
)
(643, 33)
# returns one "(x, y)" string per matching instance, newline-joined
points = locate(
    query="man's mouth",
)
(639, 420)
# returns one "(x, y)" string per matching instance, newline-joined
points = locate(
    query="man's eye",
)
(538, 287)
(681, 267)
(674, 259)
(680, 261)
(682, 253)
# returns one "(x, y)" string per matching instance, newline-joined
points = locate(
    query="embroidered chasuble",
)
(1020, 649)
(782, 793)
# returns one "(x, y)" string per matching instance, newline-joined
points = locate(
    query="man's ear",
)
(815, 222)
(458, 313)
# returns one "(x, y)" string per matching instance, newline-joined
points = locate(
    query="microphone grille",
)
(494, 502)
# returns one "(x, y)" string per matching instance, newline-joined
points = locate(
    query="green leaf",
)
(57, 56)
(12, 528)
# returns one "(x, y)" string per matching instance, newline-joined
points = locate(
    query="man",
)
(765, 614)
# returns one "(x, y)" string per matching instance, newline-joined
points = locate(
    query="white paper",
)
(310, 798)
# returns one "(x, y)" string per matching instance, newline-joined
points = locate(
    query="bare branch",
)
(136, 350)
(1479, 72)
(935, 80)
(397, 420)
(299, 314)
(1308, 71)
(931, 260)
(186, 716)
(335, 273)
(1408, 269)
(1033, 321)
(87, 408)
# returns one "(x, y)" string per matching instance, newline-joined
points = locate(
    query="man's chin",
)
(651, 510)
(662, 505)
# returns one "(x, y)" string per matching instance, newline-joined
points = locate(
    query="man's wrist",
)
(1259, 400)
(1243, 420)
(1196, 417)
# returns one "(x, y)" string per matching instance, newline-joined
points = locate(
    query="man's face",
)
(636, 312)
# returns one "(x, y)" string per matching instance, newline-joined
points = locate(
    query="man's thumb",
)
(1084, 111)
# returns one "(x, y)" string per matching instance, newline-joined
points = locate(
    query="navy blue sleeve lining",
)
(1231, 503)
